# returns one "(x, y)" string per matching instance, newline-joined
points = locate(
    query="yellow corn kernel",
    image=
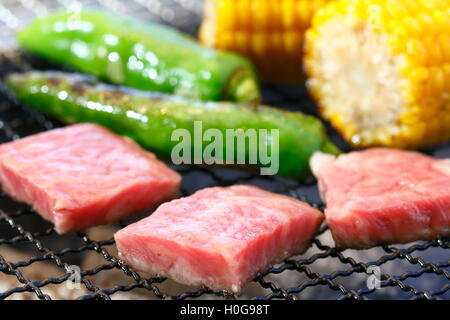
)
(280, 24)
(380, 70)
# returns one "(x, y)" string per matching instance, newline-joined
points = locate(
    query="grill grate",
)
(27, 243)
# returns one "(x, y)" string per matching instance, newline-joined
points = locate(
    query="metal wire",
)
(322, 272)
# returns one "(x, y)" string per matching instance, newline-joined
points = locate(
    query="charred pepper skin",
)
(151, 118)
(141, 55)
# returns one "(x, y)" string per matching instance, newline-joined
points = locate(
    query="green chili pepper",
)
(152, 118)
(141, 55)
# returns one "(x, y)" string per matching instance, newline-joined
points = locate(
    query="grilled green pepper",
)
(141, 55)
(152, 118)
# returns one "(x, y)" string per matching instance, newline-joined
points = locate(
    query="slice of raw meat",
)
(84, 175)
(383, 196)
(219, 237)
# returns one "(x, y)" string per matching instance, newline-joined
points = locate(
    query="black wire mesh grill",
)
(415, 271)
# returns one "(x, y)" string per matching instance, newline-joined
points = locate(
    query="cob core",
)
(380, 70)
(270, 32)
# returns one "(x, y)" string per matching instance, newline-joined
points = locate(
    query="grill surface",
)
(36, 263)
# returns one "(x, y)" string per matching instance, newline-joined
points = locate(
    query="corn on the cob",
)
(380, 70)
(270, 32)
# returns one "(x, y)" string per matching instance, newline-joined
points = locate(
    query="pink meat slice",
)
(383, 196)
(84, 175)
(219, 237)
